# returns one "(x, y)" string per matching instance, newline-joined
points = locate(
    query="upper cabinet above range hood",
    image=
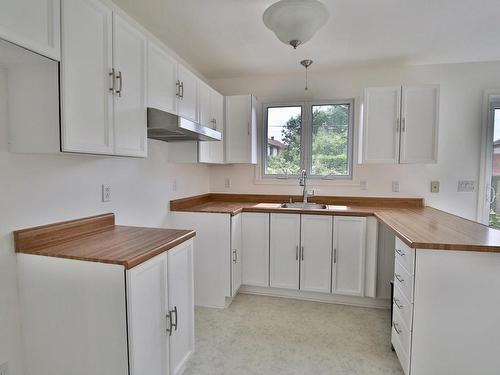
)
(167, 127)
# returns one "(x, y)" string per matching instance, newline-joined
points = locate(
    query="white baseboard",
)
(317, 297)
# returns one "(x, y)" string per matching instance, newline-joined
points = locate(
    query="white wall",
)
(462, 88)
(41, 189)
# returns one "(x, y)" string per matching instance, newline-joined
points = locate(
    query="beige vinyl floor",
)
(273, 336)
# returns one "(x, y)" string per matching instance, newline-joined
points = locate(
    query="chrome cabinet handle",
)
(334, 255)
(119, 77)
(396, 328)
(397, 303)
(176, 318)
(302, 250)
(403, 125)
(235, 256)
(113, 79)
(178, 88)
(169, 323)
(397, 124)
(181, 90)
(398, 276)
(297, 252)
(248, 125)
(399, 252)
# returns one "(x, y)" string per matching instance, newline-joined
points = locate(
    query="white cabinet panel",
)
(87, 102)
(213, 152)
(236, 250)
(316, 253)
(255, 257)
(419, 127)
(162, 80)
(349, 255)
(204, 104)
(129, 60)
(181, 305)
(32, 24)
(241, 129)
(380, 132)
(147, 301)
(284, 251)
(188, 99)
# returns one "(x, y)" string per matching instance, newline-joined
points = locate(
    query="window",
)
(316, 137)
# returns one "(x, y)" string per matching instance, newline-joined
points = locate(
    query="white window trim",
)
(306, 140)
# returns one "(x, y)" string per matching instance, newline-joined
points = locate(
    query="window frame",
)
(306, 139)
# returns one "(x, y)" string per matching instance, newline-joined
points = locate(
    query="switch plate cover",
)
(395, 186)
(466, 186)
(106, 193)
(434, 186)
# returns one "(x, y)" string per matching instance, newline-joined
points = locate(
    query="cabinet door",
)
(32, 24)
(129, 60)
(87, 101)
(238, 128)
(316, 253)
(381, 126)
(235, 254)
(284, 251)
(181, 305)
(255, 257)
(147, 303)
(162, 80)
(188, 99)
(213, 152)
(204, 118)
(419, 128)
(349, 247)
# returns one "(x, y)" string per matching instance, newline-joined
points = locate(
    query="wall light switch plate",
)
(4, 368)
(106, 193)
(434, 186)
(395, 186)
(227, 182)
(466, 186)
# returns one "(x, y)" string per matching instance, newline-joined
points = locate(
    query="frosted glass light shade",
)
(295, 21)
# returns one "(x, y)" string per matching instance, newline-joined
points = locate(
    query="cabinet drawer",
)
(401, 340)
(405, 255)
(403, 280)
(403, 306)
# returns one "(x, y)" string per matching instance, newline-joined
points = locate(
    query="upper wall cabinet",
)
(400, 124)
(32, 24)
(188, 94)
(241, 129)
(103, 82)
(211, 114)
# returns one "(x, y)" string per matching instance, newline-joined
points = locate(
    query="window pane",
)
(283, 140)
(330, 140)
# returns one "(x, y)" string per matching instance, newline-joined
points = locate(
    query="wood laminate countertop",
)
(415, 224)
(98, 239)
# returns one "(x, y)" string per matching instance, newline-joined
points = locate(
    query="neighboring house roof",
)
(273, 142)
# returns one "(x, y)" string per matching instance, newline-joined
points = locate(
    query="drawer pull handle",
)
(396, 328)
(399, 252)
(399, 278)
(397, 303)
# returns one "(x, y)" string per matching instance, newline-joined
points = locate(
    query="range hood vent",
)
(167, 127)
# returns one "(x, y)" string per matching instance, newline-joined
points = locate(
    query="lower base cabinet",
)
(236, 254)
(85, 318)
(255, 257)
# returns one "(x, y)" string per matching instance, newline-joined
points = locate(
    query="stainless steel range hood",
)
(167, 127)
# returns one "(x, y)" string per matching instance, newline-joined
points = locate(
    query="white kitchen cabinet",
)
(255, 257)
(212, 152)
(316, 253)
(86, 77)
(188, 94)
(284, 251)
(32, 24)
(126, 321)
(129, 61)
(419, 127)
(236, 250)
(400, 124)
(162, 80)
(241, 129)
(349, 247)
(181, 306)
(204, 115)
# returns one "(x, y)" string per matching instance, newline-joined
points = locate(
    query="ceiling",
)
(227, 38)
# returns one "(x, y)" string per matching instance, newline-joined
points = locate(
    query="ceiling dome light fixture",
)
(295, 21)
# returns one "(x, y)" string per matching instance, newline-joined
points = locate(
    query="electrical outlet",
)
(227, 182)
(363, 184)
(174, 185)
(4, 368)
(395, 186)
(106, 193)
(466, 186)
(434, 186)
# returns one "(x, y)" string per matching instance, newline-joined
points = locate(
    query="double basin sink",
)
(304, 206)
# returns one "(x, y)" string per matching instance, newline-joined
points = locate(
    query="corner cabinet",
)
(32, 24)
(400, 125)
(139, 320)
(103, 82)
(241, 129)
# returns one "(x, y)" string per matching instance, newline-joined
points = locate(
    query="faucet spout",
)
(303, 182)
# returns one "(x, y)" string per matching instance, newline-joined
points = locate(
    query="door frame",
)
(484, 186)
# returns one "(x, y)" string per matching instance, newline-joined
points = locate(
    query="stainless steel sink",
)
(304, 206)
